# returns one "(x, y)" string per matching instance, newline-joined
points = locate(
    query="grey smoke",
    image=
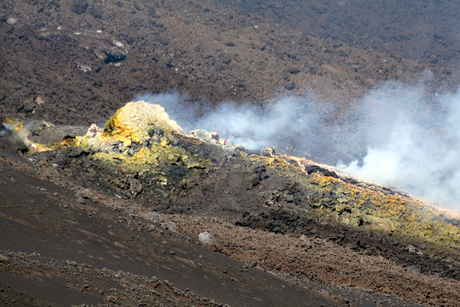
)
(398, 135)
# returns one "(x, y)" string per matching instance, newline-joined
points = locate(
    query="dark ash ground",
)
(67, 238)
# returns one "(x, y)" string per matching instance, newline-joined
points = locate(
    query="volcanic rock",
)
(141, 141)
(105, 46)
(205, 238)
(141, 154)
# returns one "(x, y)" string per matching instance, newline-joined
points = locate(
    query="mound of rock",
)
(140, 146)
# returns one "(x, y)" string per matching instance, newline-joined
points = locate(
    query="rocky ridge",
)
(145, 157)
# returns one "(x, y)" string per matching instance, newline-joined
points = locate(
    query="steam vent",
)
(145, 155)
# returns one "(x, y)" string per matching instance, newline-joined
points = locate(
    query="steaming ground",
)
(280, 125)
(413, 142)
(398, 135)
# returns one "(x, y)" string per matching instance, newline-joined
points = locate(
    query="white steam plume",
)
(413, 143)
(245, 124)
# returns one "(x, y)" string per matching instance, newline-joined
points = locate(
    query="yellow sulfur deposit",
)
(136, 121)
(20, 133)
(140, 135)
(335, 200)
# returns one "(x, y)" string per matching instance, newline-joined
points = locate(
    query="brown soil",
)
(72, 235)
